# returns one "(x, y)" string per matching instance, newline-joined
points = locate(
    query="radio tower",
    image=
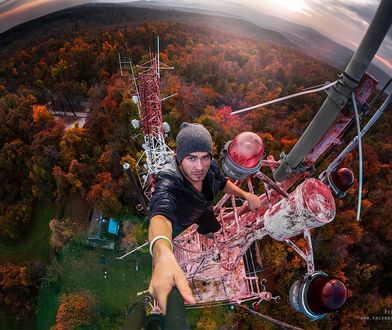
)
(145, 90)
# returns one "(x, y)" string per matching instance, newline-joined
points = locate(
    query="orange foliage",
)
(231, 124)
(104, 194)
(18, 286)
(289, 143)
(75, 310)
(41, 116)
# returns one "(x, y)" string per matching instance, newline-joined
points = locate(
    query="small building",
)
(103, 231)
(113, 227)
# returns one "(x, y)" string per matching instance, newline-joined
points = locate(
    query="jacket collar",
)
(173, 169)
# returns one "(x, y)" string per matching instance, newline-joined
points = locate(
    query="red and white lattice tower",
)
(145, 90)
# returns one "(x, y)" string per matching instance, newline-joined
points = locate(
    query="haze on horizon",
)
(344, 21)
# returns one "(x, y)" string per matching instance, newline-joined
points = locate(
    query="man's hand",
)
(166, 275)
(254, 201)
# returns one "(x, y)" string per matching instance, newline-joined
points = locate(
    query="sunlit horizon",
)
(341, 20)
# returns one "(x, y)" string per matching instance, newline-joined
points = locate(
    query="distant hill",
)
(234, 18)
(98, 16)
(304, 38)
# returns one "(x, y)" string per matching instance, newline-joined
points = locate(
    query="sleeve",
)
(163, 201)
(223, 182)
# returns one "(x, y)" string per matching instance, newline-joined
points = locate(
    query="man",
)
(184, 191)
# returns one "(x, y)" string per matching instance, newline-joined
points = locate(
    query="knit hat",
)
(192, 138)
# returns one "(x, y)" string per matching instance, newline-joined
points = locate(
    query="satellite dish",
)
(135, 123)
(135, 99)
(166, 127)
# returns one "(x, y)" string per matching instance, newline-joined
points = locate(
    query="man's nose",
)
(199, 164)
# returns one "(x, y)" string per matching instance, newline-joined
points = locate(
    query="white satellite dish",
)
(166, 127)
(135, 123)
(135, 99)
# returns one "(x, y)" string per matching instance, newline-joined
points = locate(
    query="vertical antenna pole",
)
(119, 61)
(159, 74)
(340, 93)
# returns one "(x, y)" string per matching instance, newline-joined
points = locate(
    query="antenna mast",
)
(145, 90)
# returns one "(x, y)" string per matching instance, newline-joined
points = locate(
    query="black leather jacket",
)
(176, 199)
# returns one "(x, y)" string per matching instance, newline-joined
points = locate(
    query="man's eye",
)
(206, 157)
(192, 159)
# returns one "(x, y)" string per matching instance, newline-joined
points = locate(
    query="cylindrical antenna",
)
(339, 94)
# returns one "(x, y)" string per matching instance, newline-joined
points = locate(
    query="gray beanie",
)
(192, 138)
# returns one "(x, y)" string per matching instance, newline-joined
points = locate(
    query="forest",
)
(45, 166)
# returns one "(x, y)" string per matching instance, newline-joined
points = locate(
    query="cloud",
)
(6, 5)
(19, 11)
(364, 12)
(354, 12)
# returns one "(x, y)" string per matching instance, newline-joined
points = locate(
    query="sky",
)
(345, 21)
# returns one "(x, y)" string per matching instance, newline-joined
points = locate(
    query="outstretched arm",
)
(166, 272)
(253, 200)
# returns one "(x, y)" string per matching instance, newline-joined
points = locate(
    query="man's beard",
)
(195, 176)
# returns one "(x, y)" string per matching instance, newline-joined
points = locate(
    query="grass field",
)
(79, 268)
(35, 245)
(82, 270)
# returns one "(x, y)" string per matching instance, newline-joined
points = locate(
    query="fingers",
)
(161, 297)
(254, 202)
(185, 290)
(162, 292)
(166, 275)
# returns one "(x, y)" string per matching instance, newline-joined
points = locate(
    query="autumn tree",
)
(76, 310)
(62, 230)
(45, 152)
(134, 234)
(16, 200)
(75, 180)
(75, 145)
(19, 285)
(104, 193)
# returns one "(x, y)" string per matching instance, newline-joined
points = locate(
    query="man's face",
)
(195, 166)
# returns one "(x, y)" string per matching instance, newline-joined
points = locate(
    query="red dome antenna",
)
(317, 295)
(243, 156)
(340, 181)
